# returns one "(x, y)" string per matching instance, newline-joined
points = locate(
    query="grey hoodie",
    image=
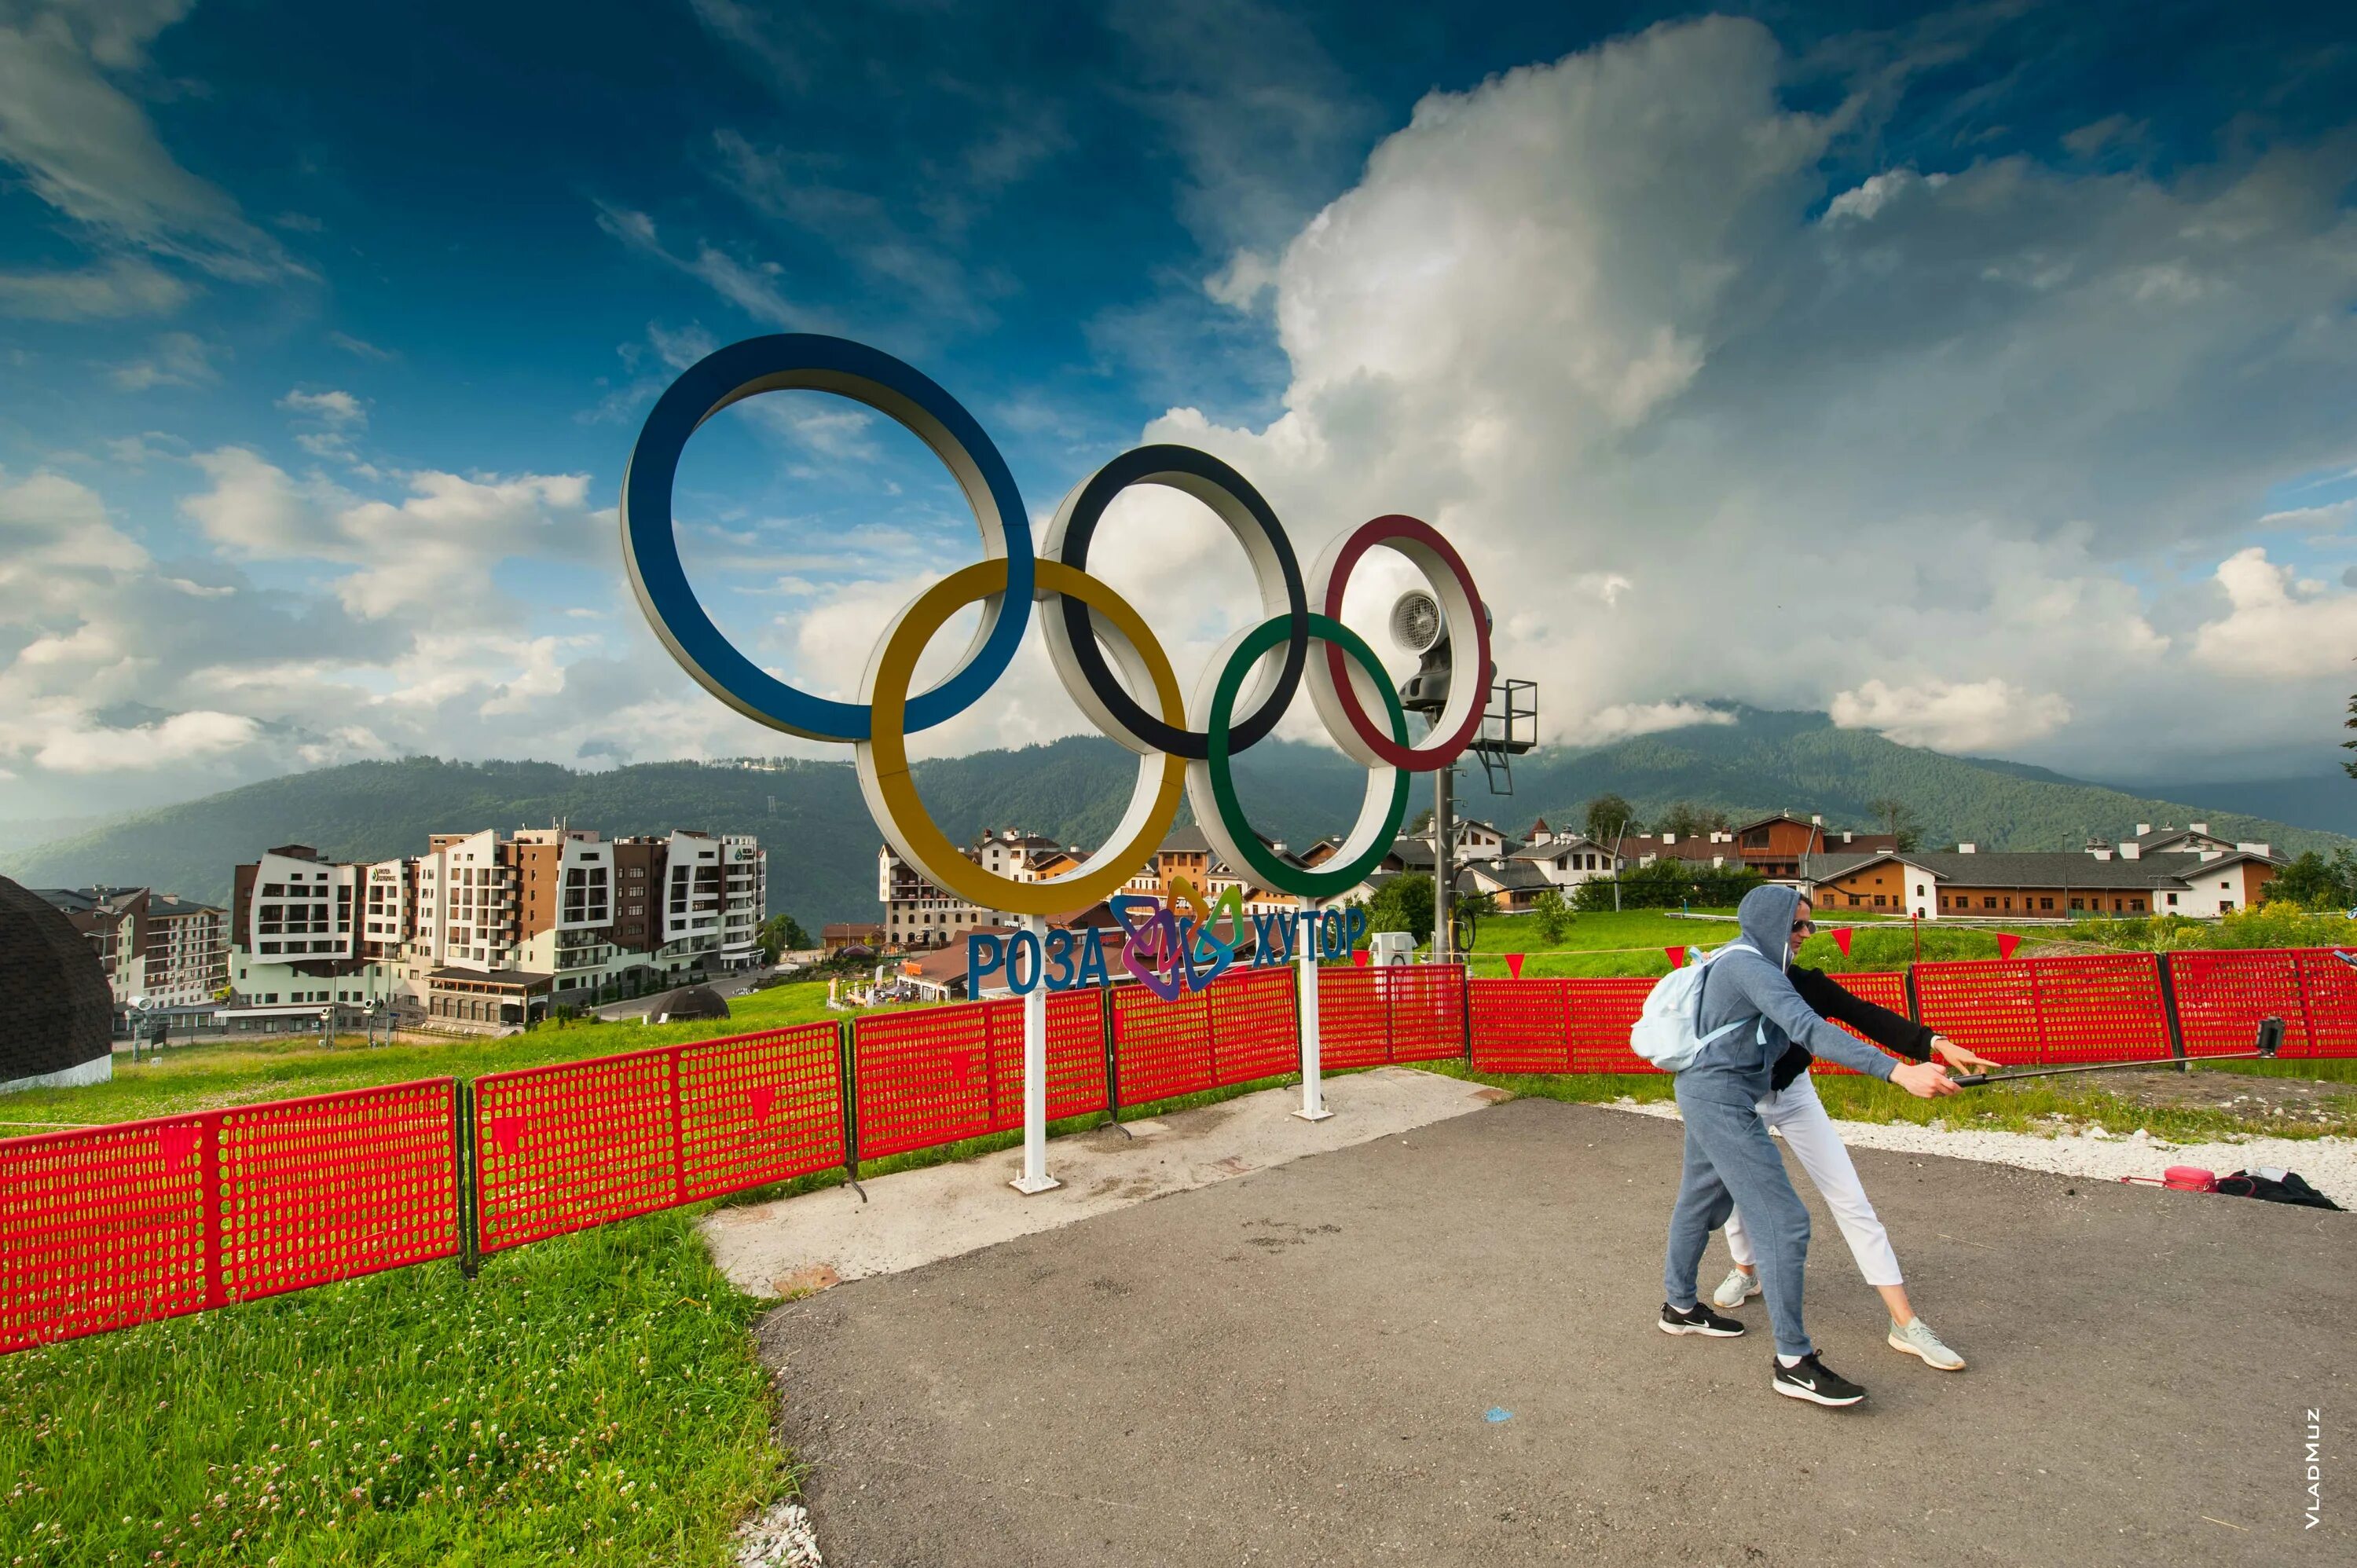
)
(1744, 986)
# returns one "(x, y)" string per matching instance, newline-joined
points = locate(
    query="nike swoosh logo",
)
(1804, 1383)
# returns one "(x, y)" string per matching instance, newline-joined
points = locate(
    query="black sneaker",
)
(1812, 1380)
(1698, 1320)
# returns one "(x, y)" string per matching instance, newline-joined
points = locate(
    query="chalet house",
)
(1567, 861)
(1966, 884)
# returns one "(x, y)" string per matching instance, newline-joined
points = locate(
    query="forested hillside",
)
(822, 846)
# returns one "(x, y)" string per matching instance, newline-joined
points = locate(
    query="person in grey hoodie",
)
(1730, 1160)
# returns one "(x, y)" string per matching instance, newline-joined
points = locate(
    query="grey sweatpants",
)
(1731, 1162)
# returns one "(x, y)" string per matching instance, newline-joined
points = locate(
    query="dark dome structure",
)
(687, 1004)
(57, 1016)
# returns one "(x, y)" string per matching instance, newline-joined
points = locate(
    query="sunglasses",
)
(1805, 927)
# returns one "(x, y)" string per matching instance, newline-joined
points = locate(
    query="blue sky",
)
(1943, 368)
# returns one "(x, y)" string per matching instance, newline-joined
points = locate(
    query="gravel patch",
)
(2329, 1164)
(780, 1538)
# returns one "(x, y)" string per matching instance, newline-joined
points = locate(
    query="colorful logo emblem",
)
(1090, 630)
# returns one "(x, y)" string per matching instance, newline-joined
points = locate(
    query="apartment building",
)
(485, 930)
(167, 953)
(919, 915)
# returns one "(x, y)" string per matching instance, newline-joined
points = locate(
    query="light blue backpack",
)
(1668, 1032)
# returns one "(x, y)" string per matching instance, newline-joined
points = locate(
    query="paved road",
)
(1299, 1367)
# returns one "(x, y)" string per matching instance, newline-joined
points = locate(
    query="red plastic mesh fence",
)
(1354, 1027)
(2101, 1007)
(109, 1226)
(1425, 1006)
(573, 1144)
(104, 1228)
(2222, 995)
(1883, 988)
(1602, 1012)
(1520, 1025)
(2029, 1012)
(1160, 1048)
(1986, 1006)
(923, 1076)
(2328, 988)
(1076, 1056)
(337, 1184)
(1255, 1027)
(760, 1108)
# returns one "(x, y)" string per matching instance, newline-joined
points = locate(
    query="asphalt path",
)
(1440, 1348)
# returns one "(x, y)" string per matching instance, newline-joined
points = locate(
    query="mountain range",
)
(823, 845)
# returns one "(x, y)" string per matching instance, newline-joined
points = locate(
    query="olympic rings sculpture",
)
(1087, 622)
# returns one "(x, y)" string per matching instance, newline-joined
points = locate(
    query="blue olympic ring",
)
(900, 392)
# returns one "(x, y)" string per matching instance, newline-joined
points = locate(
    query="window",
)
(1878, 901)
(1988, 903)
(2172, 900)
(1919, 890)
(2046, 903)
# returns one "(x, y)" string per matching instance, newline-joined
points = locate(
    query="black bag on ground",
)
(2275, 1186)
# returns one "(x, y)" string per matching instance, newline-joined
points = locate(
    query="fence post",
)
(1035, 1178)
(208, 1176)
(1313, 1089)
(469, 1173)
(1914, 996)
(2169, 1011)
(678, 1132)
(1465, 1007)
(1112, 1067)
(846, 1057)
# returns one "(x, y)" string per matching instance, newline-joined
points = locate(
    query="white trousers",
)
(1797, 1112)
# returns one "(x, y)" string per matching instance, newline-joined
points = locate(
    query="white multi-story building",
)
(483, 930)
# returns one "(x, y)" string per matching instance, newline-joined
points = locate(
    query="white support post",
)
(1035, 1177)
(1313, 1091)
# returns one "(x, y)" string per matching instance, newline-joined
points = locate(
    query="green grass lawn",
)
(594, 1399)
(278, 1066)
(1632, 942)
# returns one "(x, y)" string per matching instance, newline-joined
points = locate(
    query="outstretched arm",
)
(1891, 1031)
(1763, 985)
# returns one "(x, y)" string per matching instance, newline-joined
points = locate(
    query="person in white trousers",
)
(1793, 1109)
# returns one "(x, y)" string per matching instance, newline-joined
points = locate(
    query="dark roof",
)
(518, 979)
(173, 903)
(1188, 840)
(1509, 874)
(689, 1001)
(1413, 853)
(53, 991)
(1580, 843)
(2036, 868)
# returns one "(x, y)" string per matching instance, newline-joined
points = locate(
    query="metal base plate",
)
(1311, 1115)
(1045, 1184)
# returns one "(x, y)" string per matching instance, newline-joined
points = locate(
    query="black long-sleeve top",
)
(1831, 999)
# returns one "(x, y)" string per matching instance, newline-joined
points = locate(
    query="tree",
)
(1608, 817)
(2351, 768)
(782, 933)
(2313, 882)
(1689, 821)
(1553, 912)
(1899, 820)
(1402, 904)
(1667, 883)
(1421, 822)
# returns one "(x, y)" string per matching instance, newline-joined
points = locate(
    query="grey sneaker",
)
(1735, 1289)
(1917, 1340)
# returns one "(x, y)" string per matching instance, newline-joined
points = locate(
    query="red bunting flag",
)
(1514, 964)
(2006, 942)
(1841, 939)
(1361, 957)
(1677, 957)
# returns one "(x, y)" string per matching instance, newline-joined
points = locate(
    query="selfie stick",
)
(2270, 1041)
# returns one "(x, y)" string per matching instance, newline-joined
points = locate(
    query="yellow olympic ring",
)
(891, 792)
